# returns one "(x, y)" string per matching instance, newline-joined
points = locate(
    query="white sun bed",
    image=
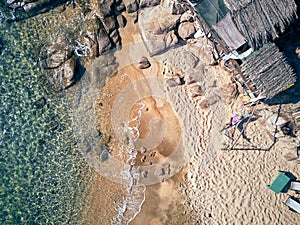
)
(293, 204)
(295, 186)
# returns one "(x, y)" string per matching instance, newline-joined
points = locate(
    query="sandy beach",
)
(216, 185)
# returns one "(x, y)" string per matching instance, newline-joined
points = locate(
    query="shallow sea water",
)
(43, 177)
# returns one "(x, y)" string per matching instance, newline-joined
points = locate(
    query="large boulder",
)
(186, 30)
(55, 54)
(175, 7)
(103, 40)
(96, 37)
(131, 5)
(121, 21)
(64, 76)
(105, 7)
(59, 62)
(158, 31)
(110, 23)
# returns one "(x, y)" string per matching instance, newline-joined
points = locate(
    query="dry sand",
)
(217, 186)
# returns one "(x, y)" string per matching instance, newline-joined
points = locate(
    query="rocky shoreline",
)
(66, 56)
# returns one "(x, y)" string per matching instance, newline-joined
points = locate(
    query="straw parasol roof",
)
(268, 72)
(261, 21)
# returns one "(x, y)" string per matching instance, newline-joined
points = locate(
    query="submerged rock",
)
(40, 103)
(1, 46)
(27, 8)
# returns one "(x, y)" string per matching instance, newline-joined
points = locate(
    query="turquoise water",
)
(43, 177)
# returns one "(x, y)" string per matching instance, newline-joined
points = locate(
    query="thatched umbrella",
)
(261, 21)
(268, 71)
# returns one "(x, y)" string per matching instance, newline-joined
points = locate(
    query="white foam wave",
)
(135, 197)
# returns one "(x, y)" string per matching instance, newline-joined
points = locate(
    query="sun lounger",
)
(295, 186)
(293, 204)
(281, 183)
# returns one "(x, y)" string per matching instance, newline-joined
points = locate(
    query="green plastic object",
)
(280, 182)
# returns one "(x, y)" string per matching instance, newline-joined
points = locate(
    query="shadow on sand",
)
(289, 44)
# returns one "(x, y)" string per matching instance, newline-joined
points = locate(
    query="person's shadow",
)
(242, 126)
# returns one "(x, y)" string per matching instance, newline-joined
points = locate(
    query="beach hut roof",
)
(261, 21)
(227, 30)
(268, 71)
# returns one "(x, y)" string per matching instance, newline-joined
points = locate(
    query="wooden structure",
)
(261, 21)
(267, 72)
(229, 24)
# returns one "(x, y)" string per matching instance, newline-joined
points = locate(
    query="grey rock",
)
(197, 91)
(186, 17)
(173, 82)
(149, 3)
(104, 155)
(186, 30)
(121, 21)
(103, 40)
(106, 7)
(177, 8)
(171, 39)
(206, 103)
(53, 56)
(135, 16)
(110, 23)
(120, 7)
(159, 172)
(131, 5)
(115, 37)
(174, 7)
(63, 77)
(144, 63)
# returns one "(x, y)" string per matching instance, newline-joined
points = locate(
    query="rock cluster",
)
(166, 29)
(27, 8)
(163, 24)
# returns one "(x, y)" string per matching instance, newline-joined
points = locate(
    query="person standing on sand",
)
(234, 120)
